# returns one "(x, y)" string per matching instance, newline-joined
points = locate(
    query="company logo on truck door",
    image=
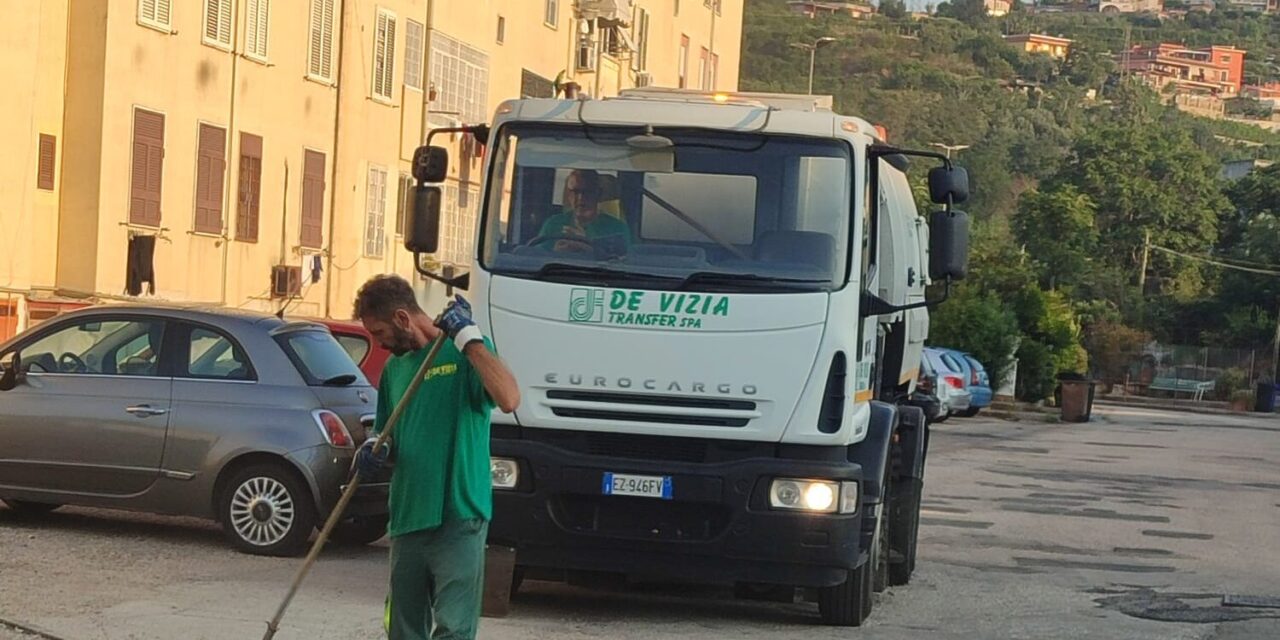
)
(645, 308)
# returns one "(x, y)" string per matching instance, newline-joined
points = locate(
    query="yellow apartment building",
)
(255, 153)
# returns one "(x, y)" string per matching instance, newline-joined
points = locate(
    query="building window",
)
(502, 29)
(147, 168)
(249, 192)
(533, 85)
(46, 164)
(682, 62)
(703, 58)
(404, 201)
(457, 225)
(375, 213)
(551, 13)
(640, 33)
(1224, 75)
(256, 20)
(460, 76)
(320, 41)
(413, 36)
(384, 55)
(156, 13)
(217, 23)
(211, 155)
(313, 185)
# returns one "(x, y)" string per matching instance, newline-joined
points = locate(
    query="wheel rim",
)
(262, 511)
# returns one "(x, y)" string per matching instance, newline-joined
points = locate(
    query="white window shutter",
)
(390, 75)
(164, 12)
(320, 43)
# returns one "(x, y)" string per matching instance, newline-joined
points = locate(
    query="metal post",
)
(813, 53)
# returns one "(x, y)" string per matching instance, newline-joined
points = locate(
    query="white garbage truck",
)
(714, 305)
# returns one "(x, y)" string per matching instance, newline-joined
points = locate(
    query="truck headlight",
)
(505, 473)
(816, 496)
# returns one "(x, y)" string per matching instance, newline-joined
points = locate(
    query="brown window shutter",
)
(45, 168)
(148, 168)
(250, 192)
(312, 199)
(210, 163)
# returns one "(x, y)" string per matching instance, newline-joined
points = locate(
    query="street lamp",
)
(949, 147)
(813, 50)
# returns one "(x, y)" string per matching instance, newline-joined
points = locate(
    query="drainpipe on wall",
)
(712, 65)
(340, 52)
(231, 141)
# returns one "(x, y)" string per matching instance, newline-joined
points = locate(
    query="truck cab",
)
(696, 292)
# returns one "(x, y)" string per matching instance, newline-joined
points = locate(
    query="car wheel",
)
(970, 412)
(28, 508)
(943, 417)
(266, 510)
(360, 530)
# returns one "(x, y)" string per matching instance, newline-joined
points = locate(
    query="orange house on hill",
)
(1215, 70)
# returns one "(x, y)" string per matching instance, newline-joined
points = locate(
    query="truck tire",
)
(848, 604)
(970, 412)
(884, 528)
(904, 530)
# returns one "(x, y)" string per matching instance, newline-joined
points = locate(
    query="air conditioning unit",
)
(643, 79)
(585, 60)
(286, 281)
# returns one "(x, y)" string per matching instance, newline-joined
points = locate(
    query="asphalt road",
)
(1132, 526)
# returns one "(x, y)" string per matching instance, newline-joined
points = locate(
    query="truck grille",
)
(635, 407)
(640, 518)
(634, 447)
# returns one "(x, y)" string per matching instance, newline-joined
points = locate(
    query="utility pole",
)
(1142, 271)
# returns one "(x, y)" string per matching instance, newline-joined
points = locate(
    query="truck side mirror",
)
(431, 164)
(422, 229)
(948, 244)
(948, 185)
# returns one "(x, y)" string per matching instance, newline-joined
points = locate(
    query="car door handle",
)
(145, 410)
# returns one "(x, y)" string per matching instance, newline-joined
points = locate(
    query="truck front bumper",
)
(716, 528)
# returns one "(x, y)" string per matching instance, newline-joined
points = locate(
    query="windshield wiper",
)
(340, 380)
(581, 270)
(750, 280)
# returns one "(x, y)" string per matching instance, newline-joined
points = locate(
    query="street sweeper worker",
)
(441, 493)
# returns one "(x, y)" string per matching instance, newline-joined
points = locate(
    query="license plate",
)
(621, 484)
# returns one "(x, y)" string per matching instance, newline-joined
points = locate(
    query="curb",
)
(1109, 402)
(6, 623)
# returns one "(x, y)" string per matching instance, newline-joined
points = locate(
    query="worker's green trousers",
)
(437, 578)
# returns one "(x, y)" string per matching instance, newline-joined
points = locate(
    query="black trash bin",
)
(1265, 398)
(1076, 404)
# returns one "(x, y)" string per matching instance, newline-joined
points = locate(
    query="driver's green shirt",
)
(603, 226)
(441, 444)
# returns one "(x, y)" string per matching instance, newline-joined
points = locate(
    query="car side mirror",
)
(948, 185)
(422, 229)
(12, 373)
(948, 245)
(431, 164)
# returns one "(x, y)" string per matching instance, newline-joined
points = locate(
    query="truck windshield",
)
(708, 211)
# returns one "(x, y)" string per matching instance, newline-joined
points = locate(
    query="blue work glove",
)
(456, 323)
(370, 460)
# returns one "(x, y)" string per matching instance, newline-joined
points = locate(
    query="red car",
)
(360, 345)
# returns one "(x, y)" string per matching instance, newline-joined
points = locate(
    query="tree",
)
(970, 12)
(893, 9)
(1057, 229)
(977, 323)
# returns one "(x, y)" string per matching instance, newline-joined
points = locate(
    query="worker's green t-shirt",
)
(603, 226)
(441, 444)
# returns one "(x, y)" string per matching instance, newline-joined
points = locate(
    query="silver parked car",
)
(239, 417)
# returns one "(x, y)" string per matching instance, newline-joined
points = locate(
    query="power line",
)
(1271, 270)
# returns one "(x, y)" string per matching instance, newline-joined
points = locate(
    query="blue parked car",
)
(976, 380)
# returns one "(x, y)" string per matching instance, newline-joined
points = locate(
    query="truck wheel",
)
(880, 541)
(970, 412)
(904, 531)
(848, 604)
(266, 510)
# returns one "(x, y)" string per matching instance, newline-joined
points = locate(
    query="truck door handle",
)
(145, 411)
